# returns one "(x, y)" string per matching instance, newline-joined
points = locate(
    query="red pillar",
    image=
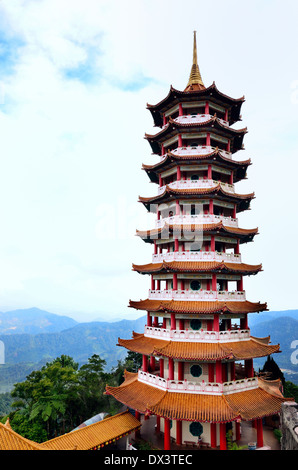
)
(173, 321)
(214, 282)
(145, 363)
(212, 243)
(161, 368)
(180, 370)
(180, 140)
(171, 369)
(216, 322)
(138, 416)
(175, 282)
(179, 433)
(209, 172)
(180, 109)
(238, 431)
(211, 207)
(176, 244)
(152, 363)
(213, 442)
(167, 437)
(222, 436)
(152, 283)
(260, 441)
(178, 173)
(208, 139)
(158, 424)
(177, 208)
(207, 107)
(218, 372)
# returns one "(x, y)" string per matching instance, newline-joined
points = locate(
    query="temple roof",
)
(214, 124)
(199, 351)
(244, 405)
(96, 434)
(197, 266)
(198, 307)
(172, 159)
(242, 200)
(10, 440)
(164, 232)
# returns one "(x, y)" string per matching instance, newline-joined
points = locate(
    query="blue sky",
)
(75, 78)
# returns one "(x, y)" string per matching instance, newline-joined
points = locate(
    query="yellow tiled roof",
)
(183, 350)
(245, 405)
(10, 440)
(96, 434)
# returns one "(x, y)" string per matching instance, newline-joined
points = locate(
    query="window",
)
(195, 285)
(196, 429)
(196, 370)
(195, 324)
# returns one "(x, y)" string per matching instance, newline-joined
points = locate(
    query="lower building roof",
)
(244, 405)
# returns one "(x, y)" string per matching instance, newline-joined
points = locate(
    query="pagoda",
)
(197, 374)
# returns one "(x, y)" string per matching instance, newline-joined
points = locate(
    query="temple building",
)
(197, 376)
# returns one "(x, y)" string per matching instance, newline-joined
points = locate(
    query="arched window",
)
(195, 324)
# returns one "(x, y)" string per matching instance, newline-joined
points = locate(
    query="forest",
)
(60, 396)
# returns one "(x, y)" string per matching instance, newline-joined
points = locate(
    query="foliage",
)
(277, 433)
(233, 445)
(60, 396)
(291, 390)
(275, 372)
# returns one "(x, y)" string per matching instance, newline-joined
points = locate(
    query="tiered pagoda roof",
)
(194, 266)
(246, 405)
(200, 351)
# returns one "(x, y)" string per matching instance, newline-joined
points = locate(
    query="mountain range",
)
(32, 337)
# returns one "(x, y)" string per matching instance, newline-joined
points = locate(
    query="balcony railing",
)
(196, 256)
(197, 118)
(197, 295)
(197, 184)
(197, 220)
(210, 388)
(198, 150)
(197, 335)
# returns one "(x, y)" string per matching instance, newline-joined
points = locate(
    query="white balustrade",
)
(196, 256)
(205, 295)
(197, 335)
(196, 184)
(198, 150)
(197, 118)
(185, 386)
(197, 220)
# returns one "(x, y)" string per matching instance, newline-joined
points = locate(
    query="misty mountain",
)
(33, 321)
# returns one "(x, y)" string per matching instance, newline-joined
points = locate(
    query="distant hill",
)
(33, 321)
(79, 342)
(283, 330)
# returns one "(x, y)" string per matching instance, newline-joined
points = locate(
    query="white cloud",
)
(72, 126)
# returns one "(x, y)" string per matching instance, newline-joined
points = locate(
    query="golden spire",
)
(195, 81)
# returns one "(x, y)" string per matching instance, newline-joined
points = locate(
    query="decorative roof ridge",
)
(174, 124)
(200, 92)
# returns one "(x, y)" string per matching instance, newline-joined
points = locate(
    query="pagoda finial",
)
(195, 81)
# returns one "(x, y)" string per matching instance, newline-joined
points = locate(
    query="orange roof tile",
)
(218, 189)
(194, 351)
(10, 440)
(96, 434)
(197, 266)
(168, 229)
(135, 394)
(189, 307)
(245, 405)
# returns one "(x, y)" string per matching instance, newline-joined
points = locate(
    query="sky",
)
(75, 79)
